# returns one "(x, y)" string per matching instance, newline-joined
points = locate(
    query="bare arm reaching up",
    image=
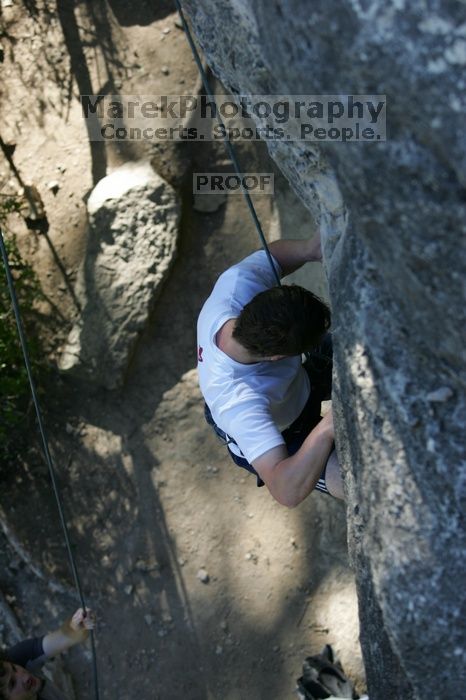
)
(292, 254)
(73, 631)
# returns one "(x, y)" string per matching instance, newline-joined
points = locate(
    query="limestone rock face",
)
(393, 217)
(133, 228)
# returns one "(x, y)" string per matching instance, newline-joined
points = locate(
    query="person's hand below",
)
(81, 623)
(73, 631)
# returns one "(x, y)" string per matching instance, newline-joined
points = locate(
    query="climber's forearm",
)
(292, 254)
(290, 479)
(73, 631)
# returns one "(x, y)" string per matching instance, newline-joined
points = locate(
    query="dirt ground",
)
(151, 497)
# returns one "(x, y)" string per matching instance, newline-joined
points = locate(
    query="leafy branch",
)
(14, 384)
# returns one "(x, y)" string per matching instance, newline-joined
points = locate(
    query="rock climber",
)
(20, 665)
(261, 400)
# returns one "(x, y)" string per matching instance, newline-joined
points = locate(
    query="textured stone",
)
(133, 228)
(393, 219)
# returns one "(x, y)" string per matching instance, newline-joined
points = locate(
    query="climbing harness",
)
(47, 455)
(228, 145)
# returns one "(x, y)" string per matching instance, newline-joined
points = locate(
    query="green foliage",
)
(14, 384)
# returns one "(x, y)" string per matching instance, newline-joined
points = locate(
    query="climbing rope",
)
(45, 445)
(228, 145)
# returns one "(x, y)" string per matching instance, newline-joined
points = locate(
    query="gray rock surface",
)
(208, 203)
(393, 219)
(133, 228)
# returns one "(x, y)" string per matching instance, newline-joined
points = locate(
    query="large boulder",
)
(133, 229)
(393, 219)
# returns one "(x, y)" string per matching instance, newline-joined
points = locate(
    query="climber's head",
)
(282, 321)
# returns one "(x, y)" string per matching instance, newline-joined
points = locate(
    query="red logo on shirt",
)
(199, 354)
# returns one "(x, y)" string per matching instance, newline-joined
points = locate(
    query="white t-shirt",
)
(252, 403)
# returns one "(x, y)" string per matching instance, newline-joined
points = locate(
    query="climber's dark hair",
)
(286, 320)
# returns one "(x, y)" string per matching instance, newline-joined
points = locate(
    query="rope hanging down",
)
(48, 458)
(228, 145)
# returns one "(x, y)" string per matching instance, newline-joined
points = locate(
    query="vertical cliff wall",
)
(393, 217)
